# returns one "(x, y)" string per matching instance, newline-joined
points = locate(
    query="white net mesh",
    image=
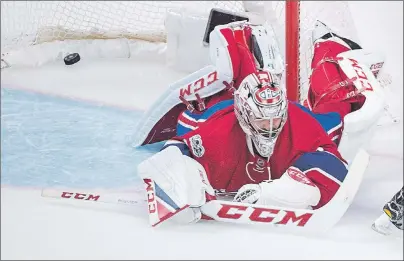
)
(25, 23)
(32, 22)
(336, 14)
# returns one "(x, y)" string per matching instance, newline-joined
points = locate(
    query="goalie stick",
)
(94, 196)
(319, 220)
(288, 219)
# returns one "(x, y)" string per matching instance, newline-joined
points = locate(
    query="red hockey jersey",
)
(215, 139)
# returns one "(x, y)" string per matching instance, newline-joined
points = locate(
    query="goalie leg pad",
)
(224, 53)
(174, 182)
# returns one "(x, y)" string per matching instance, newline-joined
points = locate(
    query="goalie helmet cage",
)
(27, 23)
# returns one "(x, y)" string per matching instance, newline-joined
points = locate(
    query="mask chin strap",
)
(268, 151)
(252, 147)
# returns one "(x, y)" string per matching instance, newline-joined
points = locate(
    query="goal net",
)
(31, 23)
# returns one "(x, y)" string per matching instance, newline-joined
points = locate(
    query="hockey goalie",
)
(236, 135)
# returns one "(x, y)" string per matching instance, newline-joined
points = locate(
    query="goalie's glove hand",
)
(293, 189)
(249, 193)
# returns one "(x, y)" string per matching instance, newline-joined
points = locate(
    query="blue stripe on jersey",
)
(324, 161)
(327, 120)
(164, 197)
(210, 111)
(182, 146)
(182, 130)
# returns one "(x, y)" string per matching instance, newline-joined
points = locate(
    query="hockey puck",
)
(72, 58)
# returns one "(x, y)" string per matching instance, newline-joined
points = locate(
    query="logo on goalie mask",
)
(267, 95)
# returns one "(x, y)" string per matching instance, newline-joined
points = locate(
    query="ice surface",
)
(62, 141)
(71, 126)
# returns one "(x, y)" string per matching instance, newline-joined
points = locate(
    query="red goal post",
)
(292, 49)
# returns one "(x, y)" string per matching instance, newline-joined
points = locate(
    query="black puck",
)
(72, 58)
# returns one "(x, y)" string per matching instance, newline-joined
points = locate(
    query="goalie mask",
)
(260, 106)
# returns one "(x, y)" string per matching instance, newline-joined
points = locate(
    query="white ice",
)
(33, 227)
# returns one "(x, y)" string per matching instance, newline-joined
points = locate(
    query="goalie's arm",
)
(310, 182)
(325, 170)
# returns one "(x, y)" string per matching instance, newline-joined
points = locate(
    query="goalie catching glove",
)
(293, 190)
(175, 185)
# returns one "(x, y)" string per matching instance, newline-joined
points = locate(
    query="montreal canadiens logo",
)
(257, 170)
(267, 95)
